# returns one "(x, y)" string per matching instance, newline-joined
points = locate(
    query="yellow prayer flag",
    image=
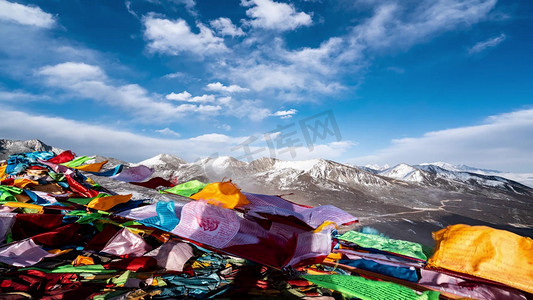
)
(485, 252)
(23, 182)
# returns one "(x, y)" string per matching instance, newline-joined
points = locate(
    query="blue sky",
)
(359, 81)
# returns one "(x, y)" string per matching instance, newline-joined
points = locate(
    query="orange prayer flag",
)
(83, 261)
(96, 167)
(105, 203)
(224, 194)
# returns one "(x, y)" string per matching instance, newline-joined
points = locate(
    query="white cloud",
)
(391, 27)
(21, 96)
(262, 76)
(174, 37)
(274, 15)
(285, 114)
(224, 26)
(25, 15)
(72, 72)
(175, 75)
(187, 97)
(213, 137)
(90, 82)
(183, 96)
(168, 131)
(225, 127)
(86, 138)
(490, 43)
(503, 142)
(130, 10)
(321, 59)
(189, 4)
(252, 109)
(219, 87)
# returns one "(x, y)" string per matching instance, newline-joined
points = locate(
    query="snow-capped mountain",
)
(8, 147)
(433, 175)
(523, 178)
(405, 172)
(460, 168)
(283, 174)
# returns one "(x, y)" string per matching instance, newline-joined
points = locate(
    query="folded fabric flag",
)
(186, 189)
(57, 168)
(378, 242)
(23, 253)
(366, 289)
(258, 200)
(17, 163)
(137, 264)
(311, 245)
(207, 224)
(100, 240)
(150, 211)
(96, 167)
(166, 218)
(467, 288)
(404, 273)
(111, 172)
(312, 217)
(134, 174)
(77, 161)
(7, 193)
(108, 202)
(23, 182)
(126, 242)
(3, 174)
(28, 225)
(224, 194)
(6, 222)
(79, 188)
(62, 157)
(154, 183)
(59, 237)
(485, 252)
(172, 255)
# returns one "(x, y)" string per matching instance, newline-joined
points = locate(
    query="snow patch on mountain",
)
(162, 159)
(301, 165)
(404, 172)
(461, 168)
(378, 167)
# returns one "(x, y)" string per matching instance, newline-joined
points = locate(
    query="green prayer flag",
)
(186, 189)
(384, 244)
(91, 269)
(57, 176)
(121, 280)
(82, 201)
(366, 289)
(7, 193)
(77, 161)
